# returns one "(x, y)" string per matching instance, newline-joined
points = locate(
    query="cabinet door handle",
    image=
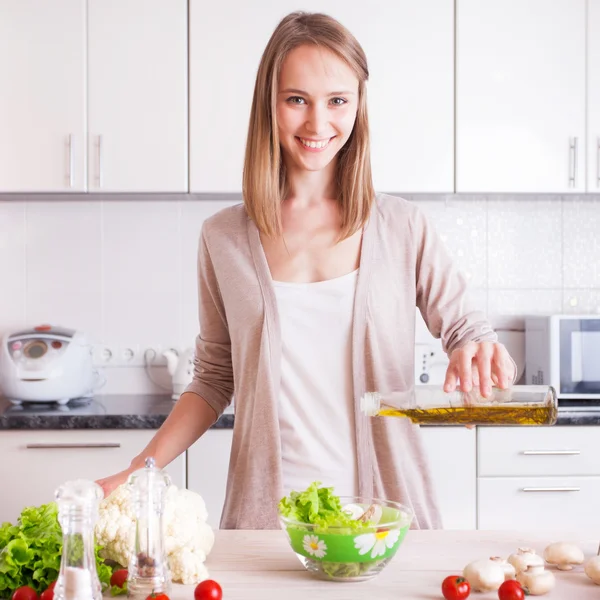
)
(70, 161)
(551, 489)
(99, 173)
(551, 452)
(39, 446)
(573, 162)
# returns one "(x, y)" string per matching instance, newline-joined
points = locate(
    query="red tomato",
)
(511, 590)
(159, 596)
(455, 587)
(119, 577)
(25, 593)
(208, 590)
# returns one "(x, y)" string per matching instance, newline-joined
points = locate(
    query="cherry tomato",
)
(511, 590)
(208, 590)
(159, 596)
(48, 593)
(454, 587)
(24, 593)
(119, 577)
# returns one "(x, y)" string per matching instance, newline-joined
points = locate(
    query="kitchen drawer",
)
(516, 451)
(539, 503)
(34, 463)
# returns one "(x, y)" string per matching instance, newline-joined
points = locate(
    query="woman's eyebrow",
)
(303, 93)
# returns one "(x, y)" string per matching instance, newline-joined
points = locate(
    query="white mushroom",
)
(523, 558)
(536, 580)
(564, 555)
(373, 514)
(592, 569)
(484, 575)
(509, 571)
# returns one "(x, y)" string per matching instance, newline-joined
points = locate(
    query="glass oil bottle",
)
(431, 405)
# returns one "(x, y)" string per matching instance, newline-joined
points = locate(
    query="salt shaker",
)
(431, 405)
(78, 502)
(148, 569)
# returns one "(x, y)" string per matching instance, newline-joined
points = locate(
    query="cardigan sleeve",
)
(213, 372)
(442, 293)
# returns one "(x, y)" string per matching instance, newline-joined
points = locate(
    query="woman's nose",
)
(317, 119)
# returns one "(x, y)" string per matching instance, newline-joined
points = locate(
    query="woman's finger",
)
(502, 366)
(465, 361)
(451, 379)
(484, 356)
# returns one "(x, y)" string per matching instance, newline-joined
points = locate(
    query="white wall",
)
(125, 271)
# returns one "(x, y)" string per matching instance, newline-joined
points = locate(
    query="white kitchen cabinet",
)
(207, 469)
(520, 96)
(42, 96)
(137, 96)
(452, 456)
(538, 451)
(593, 105)
(539, 503)
(34, 463)
(409, 47)
(530, 477)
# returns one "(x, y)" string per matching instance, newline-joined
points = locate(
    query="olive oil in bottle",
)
(430, 405)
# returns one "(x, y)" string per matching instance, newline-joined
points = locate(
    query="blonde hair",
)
(264, 183)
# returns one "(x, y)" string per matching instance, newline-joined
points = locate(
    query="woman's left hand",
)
(480, 364)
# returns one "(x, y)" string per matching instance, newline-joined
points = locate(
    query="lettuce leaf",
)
(319, 506)
(31, 550)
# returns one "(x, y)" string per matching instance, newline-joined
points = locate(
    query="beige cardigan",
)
(403, 264)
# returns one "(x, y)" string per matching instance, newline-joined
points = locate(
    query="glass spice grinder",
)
(78, 503)
(148, 569)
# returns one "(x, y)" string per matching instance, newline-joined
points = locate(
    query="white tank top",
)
(316, 405)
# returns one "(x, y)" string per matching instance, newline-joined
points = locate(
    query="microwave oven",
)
(563, 351)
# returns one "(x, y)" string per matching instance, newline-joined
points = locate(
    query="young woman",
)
(307, 296)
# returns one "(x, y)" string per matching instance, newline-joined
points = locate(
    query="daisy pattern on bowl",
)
(377, 542)
(314, 546)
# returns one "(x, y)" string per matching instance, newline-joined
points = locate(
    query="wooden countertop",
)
(260, 565)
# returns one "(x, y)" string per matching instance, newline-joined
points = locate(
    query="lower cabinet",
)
(452, 455)
(207, 468)
(34, 464)
(539, 478)
(539, 503)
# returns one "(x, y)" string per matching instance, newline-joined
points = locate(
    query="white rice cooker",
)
(47, 364)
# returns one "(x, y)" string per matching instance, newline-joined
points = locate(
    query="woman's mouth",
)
(314, 145)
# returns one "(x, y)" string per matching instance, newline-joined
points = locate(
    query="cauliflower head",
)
(188, 537)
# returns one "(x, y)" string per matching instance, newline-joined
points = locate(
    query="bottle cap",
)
(370, 403)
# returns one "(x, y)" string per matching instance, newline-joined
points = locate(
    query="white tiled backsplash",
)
(125, 271)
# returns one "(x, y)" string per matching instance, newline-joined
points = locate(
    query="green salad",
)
(320, 507)
(323, 513)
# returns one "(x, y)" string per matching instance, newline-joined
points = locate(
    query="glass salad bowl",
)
(356, 550)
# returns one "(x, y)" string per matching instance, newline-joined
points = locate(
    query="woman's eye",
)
(338, 101)
(295, 100)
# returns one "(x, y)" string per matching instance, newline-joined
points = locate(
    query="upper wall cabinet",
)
(137, 85)
(42, 96)
(409, 47)
(593, 73)
(93, 96)
(520, 96)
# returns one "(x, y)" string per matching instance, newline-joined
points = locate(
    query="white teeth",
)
(310, 144)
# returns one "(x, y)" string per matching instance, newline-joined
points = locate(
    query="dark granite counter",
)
(142, 411)
(122, 411)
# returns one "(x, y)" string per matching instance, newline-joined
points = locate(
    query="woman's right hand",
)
(109, 484)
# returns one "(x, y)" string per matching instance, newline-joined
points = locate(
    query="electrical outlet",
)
(130, 355)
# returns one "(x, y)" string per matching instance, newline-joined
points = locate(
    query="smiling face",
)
(317, 102)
